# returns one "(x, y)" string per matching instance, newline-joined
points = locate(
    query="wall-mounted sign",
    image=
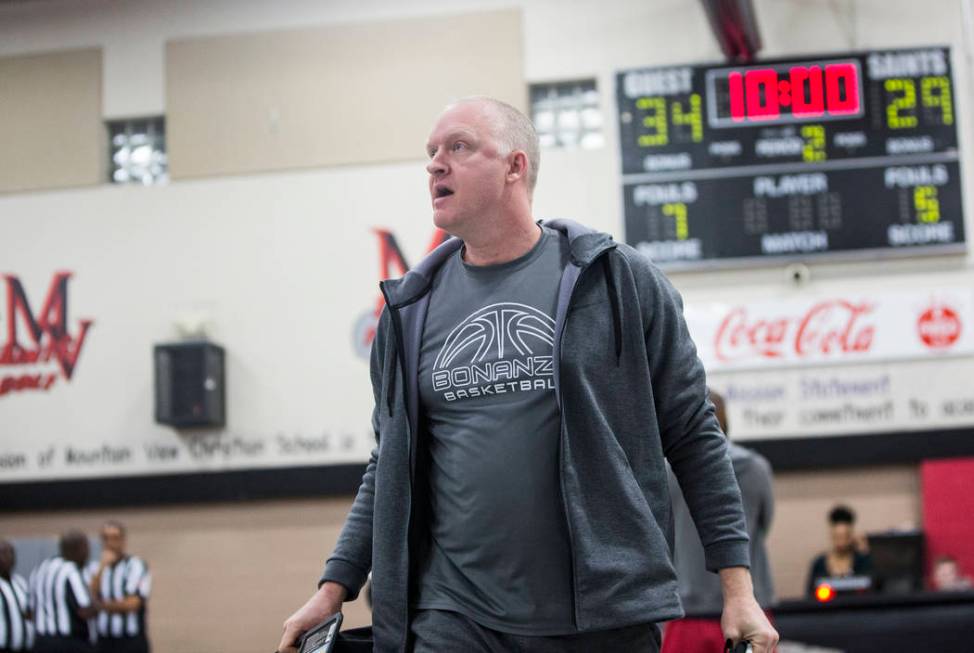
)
(846, 329)
(41, 345)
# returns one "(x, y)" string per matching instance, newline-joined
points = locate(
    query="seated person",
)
(849, 555)
(946, 576)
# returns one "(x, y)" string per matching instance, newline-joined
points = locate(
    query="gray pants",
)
(440, 631)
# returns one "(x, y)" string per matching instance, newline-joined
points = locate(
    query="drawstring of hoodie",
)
(610, 286)
(391, 391)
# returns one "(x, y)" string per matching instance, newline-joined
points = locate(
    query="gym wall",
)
(287, 155)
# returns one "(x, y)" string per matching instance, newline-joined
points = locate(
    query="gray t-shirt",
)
(499, 550)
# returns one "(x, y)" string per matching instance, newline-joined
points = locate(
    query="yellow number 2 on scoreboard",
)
(814, 148)
(896, 111)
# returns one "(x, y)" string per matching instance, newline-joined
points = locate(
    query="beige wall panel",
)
(224, 577)
(883, 498)
(331, 95)
(51, 133)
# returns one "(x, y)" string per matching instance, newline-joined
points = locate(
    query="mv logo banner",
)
(40, 346)
(392, 264)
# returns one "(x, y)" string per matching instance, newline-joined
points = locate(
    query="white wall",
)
(283, 265)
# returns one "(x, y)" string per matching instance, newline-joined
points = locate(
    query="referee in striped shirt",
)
(121, 583)
(16, 631)
(60, 600)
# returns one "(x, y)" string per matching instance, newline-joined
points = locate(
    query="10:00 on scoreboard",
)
(826, 154)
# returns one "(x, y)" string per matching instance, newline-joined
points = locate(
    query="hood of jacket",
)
(585, 244)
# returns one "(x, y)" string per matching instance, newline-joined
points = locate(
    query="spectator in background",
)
(946, 576)
(122, 583)
(849, 555)
(700, 588)
(60, 600)
(16, 632)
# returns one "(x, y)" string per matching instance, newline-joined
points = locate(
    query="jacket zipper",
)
(563, 433)
(401, 355)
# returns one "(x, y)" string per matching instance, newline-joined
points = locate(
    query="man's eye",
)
(459, 145)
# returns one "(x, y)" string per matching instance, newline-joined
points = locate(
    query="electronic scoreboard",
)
(779, 160)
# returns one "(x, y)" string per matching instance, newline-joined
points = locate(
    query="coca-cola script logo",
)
(48, 340)
(828, 328)
(939, 327)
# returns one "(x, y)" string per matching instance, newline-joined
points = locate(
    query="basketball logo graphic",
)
(500, 348)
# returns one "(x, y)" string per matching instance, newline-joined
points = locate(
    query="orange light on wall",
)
(824, 593)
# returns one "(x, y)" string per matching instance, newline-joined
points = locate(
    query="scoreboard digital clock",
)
(786, 93)
(834, 154)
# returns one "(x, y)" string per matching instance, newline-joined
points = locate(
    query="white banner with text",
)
(838, 329)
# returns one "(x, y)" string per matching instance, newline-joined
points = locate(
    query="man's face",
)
(78, 554)
(7, 558)
(945, 574)
(467, 168)
(842, 537)
(113, 539)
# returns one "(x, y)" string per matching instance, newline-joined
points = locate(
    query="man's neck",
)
(512, 244)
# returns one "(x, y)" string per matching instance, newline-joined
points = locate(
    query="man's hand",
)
(324, 603)
(743, 618)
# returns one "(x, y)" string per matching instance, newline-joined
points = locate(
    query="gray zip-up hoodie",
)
(631, 390)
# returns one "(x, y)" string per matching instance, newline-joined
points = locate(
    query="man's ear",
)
(517, 167)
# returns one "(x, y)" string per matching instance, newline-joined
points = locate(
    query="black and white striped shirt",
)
(127, 577)
(16, 632)
(56, 592)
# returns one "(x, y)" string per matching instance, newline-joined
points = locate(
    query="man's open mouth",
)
(441, 191)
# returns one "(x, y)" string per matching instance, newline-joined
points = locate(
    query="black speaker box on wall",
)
(190, 389)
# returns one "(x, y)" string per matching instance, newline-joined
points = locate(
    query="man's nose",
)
(436, 167)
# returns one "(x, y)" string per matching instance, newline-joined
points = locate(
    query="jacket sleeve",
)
(351, 560)
(691, 437)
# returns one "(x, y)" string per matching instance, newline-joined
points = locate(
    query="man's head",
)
(720, 410)
(8, 558)
(74, 547)
(484, 159)
(841, 529)
(946, 573)
(113, 537)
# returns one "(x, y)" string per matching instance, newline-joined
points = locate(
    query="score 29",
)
(934, 93)
(658, 119)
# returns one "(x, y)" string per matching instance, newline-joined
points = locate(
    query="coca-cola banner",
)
(836, 329)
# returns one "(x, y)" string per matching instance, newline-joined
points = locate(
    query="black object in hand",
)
(743, 646)
(321, 638)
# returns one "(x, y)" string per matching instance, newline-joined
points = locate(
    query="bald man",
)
(530, 377)
(121, 582)
(60, 600)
